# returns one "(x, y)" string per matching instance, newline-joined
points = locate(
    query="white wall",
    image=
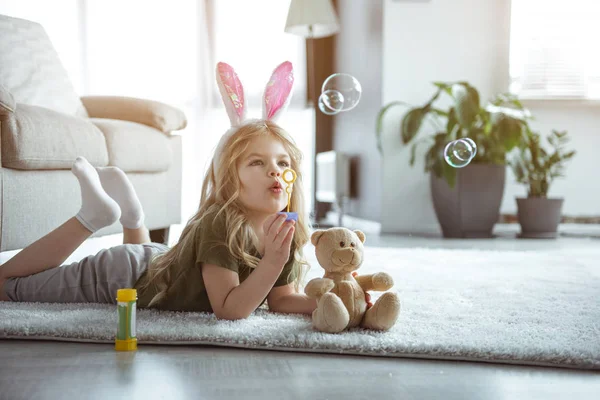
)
(440, 40)
(360, 39)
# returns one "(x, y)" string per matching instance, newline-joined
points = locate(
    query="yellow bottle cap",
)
(126, 295)
(126, 345)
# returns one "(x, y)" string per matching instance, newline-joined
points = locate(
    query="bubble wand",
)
(289, 177)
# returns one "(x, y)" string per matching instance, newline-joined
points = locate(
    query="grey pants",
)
(94, 279)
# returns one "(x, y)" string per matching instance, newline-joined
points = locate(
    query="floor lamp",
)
(312, 19)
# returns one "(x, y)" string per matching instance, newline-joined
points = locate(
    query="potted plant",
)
(536, 168)
(466, 200)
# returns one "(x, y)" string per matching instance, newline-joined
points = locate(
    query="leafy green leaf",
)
(474, 96)
(466, 104)
(442, 86)
(438, 112)
(432, 162)
(411, 123)
(487, 127)
(413, 151)
(507, 111)
(452, 121)
(436, 153)
(433, 98)
(519, 171)
(508, 131)
(441, 139)
(507, 98)
(449, 174)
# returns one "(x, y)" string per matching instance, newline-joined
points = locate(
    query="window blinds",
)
(554, 49)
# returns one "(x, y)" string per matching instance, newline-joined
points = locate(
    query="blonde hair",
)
(220, 194)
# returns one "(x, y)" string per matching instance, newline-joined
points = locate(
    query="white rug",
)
(506, 307)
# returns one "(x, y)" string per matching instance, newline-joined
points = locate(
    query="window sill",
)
(557, 101)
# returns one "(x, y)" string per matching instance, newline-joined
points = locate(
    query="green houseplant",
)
(536, 167)
(466, 200)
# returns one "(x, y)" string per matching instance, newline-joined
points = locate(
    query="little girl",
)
(236, 252)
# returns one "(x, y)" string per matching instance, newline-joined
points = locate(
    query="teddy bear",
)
(340, 293)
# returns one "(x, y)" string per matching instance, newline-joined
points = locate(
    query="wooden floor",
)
(55, 370)
(51, 370)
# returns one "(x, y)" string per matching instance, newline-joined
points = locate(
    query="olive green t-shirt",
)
(204, 244)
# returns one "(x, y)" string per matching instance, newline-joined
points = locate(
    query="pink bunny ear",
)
(232, 93)
(278, 91)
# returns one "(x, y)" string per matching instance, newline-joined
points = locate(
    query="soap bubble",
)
(459, 153)
(472, 144)
(323, 105)
(333, 100)
(347, 85)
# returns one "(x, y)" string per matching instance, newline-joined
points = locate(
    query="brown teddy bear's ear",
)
(360, 235)
(314, 239)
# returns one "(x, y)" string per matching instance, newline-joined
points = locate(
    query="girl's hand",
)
(278, 239)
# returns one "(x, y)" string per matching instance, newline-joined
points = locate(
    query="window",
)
(61, 22)
(553, 49)
(249, 36)
(150, 54)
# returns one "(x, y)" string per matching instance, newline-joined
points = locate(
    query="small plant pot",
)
(539, 217)
(472, 207)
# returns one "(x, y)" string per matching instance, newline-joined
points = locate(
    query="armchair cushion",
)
(135, 147)
(36, 138)
(157, 115)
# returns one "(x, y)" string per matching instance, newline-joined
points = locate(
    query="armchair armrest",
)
(157, 115)
(7, 102)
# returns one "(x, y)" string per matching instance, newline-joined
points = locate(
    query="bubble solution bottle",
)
(126, 307)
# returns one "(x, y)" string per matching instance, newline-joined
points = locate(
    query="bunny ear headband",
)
(276, 98)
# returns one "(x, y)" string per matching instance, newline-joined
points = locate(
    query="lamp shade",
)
(312, 19)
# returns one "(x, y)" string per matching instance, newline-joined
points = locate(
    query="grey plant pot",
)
(472, 207)
(539, 217)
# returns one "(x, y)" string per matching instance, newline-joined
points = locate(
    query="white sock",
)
(97, 208)
(117, 185)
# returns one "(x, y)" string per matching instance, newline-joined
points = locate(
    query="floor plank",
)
(52, 370)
